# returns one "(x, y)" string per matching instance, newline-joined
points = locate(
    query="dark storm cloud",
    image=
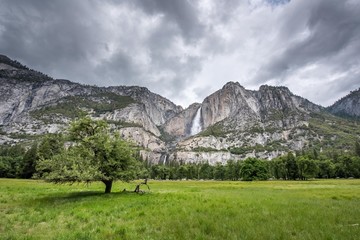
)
(333, 27)
(119, 66)
(185, 49)
(52, 29)
(180, 12)
(64, 37)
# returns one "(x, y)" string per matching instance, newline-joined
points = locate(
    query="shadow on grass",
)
(65, 198)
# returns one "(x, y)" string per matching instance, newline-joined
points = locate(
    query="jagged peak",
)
(137, 89)
(232, 85)
(141, 91)
(65, 81)
(194, 105)
(272, 88)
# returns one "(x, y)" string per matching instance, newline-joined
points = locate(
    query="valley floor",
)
(319, 209)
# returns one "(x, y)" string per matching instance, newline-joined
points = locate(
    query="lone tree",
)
(95, 155)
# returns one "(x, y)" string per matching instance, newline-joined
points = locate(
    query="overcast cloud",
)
(185, 50)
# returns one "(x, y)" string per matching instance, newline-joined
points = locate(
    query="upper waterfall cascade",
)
(196, 123)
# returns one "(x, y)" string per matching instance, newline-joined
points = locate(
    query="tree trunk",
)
(108, 185)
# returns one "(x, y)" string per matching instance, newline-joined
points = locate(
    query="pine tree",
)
(357, 148)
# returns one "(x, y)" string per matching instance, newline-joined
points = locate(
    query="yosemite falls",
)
(196, 124)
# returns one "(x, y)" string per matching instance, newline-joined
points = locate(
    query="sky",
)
(185, 50)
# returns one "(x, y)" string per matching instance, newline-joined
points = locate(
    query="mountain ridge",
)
(347, 106)
(235, 123)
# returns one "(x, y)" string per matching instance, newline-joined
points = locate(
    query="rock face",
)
(158, 108)
(234, 104)
(232, 101)
(234, 123)
(348, 106)
(134, 113)
(180, 125)
(18, 98)
(141, 138)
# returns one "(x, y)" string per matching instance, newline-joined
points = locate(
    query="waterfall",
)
(196, 123)
(165, 158)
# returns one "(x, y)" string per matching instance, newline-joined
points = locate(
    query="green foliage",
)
(347, 166)
(307, 168)
(338, 133)
(166, 137)
(25, 75)
(204, 149)
(240, 150)
(11, 161)
(326, 168)
(303, 166)
(182, 171)
(13, 63)
(232, 170)
(273, 146)
(277, 168)
(216, 130)
(254, 169)
(277, 115)
(160, 172)
(10, 166)
(285, 167)
(123, 124)
(219, 171)
(357, 148)
(29, 161)
(72, 106)
(291, 167)
(23, 136)
(94, 156)
(16, 162)
(50, 145)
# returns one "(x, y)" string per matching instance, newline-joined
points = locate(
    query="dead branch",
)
(137, 189)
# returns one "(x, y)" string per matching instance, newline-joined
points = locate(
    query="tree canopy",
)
(94, 155)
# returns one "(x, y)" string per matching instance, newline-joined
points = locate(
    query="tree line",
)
(89, 152)
(17, 162)
(287, 167)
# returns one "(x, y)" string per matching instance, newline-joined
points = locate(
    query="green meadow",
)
(318, 209)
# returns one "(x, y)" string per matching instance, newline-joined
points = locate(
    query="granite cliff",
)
(232, 123)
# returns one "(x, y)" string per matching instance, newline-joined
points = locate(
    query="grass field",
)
(326, 209)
